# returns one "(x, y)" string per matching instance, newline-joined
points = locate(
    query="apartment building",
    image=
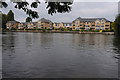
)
(91, 24)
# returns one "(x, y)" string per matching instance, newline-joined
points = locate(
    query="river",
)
(59, 55)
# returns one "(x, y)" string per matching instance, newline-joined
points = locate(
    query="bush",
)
(13, 28)
(96, 31)
(108, 30)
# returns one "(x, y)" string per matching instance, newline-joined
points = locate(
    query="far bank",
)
(53, 31)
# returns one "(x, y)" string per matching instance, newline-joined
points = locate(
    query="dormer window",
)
(102, 21)
(77, 22)
(97, 22)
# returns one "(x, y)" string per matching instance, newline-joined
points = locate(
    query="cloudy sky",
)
(102, 9)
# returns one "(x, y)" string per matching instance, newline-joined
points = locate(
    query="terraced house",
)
(12, 24)
(65, 25)
(91, 24)
(77, 24)
(44, 24)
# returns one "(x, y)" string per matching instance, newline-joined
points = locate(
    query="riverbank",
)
(78, 32)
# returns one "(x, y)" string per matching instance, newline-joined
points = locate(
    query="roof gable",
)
(45, 20)
(90, 19)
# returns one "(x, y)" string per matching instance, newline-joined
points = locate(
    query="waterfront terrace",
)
(77, 24)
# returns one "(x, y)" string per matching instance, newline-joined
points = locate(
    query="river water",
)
(59, 55)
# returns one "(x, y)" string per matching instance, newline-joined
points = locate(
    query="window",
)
(106, 25)
(80, 24)
(102, 26)
(102, 22)
(97, 26)
(70, 24)
(82, 28)
(106, 28)
(97, 23)
(64, 24)
(77, 22)
(87, 26)
(56, 24)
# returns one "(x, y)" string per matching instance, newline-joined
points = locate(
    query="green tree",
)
(10, 16)
(113, 25)
(4, 20)
(0, 19)
(52, 7)
(28, 19)
(6, 17)
(117, 24)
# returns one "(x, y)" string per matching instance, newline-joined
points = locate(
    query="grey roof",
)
(90, 19)
(56, 23)
(63, 23)
(45, 20)
(66, 22)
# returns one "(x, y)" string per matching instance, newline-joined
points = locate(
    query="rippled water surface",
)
(59, 55)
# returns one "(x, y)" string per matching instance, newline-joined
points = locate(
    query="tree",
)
(53, 7)
(0, 19)
(28, 19)
(4, 20)
(6, 17)
(113, 25)
(117, 24)
(10, 16)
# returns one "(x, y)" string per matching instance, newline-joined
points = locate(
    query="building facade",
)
(65, 25)
(77, 24)
(91, 24)
(44, 24)
(12, 24)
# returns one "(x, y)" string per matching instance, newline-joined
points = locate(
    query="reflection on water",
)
(116, 43)
(0, 55)
(59, 55)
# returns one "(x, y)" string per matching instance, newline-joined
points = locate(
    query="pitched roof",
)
(45, 20)
(90, 19)
(56, 23)
(66, 22)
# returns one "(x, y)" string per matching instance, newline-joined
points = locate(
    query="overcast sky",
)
(101, 9)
